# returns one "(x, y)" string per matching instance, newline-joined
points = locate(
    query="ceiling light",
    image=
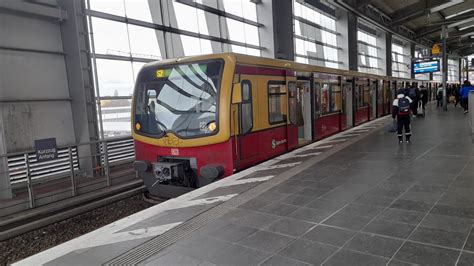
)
(445, 5)
(467, 27)
(459, 13)
(467, 34)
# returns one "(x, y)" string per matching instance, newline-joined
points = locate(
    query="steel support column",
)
(283, 29)
(388, 53)
(352, 36)
(445, 66)
(412, 55)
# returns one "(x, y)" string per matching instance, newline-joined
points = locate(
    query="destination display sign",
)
(425, 66)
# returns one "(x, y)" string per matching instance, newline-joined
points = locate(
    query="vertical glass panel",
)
(115, 7)
(250, 10)
(236, 30)
(115, 77)
(110, 37)
(144, 42)
(116, 117)
(140, 10)
(202, 23)
(137, 66)
(299, 46)
(251, 34)
(297, 27)
(186, 17)
(206, 47)
(191, 45)
(234, 7)
(301, 60)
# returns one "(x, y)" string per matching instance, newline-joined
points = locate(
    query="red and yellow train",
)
(198, 119)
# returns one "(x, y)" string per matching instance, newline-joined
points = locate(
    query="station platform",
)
(356, 198)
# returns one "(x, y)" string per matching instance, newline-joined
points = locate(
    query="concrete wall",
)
(42, 89)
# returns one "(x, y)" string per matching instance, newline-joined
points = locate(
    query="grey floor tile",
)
(361, 210)
(174, 258)
(388, 228)
(291, 227)
(279, 209)
(307, 251)
(329, 235)
(426, 255)
(285, 189)
(448, 223)
(271, 196)
(375, 245)
(348, 257)
(254, 204)
(462, 212)
(256, 220)
(220, 252)
(310, 215)
(421, 196)
(282, 261)
(428, 188)
(266, 241)
(411, 205)
(439, 237)
(466, 259)
(348, 221)
(310, 192)
(232, 232)
(323, 204)
(401, 263)
(296, 200)
(470, 242)
(374, 200)
(402, 216)
(383, 192)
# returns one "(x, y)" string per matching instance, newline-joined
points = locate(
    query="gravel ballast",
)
(30, 243)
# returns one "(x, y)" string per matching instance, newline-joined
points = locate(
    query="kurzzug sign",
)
(46, 149)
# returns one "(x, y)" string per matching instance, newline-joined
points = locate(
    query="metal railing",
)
(83, 160)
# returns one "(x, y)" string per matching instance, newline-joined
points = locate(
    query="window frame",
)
(285, 116)
(248, 101)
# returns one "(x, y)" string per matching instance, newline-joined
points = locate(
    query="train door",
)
(247, 141)
(362, 101)
(347, 88)
(303, 101)
(329, 94)
(373, 99)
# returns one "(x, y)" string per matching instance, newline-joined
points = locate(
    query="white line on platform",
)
(308, 154)
(249, 180)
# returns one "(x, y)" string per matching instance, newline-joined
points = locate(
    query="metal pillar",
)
(352, 36)
(388, 54)
(412, 55)
(445, 66)
(283, 29)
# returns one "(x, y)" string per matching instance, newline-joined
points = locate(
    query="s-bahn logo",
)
(275, 143)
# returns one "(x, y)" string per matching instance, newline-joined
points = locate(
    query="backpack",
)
(412, 93)
(403, 106)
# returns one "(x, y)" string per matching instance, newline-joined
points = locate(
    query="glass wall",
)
(315, 36)
(369, 59)
(128, 33)
(401, 61)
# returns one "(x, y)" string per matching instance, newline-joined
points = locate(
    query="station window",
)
(246, 112)
(276, 102)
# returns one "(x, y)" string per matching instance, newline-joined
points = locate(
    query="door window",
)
(246, 114)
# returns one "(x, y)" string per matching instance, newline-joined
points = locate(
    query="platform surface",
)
(357, 198)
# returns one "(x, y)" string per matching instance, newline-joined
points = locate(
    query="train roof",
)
(270, 62)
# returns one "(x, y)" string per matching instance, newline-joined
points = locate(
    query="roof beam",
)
(437, 27)
(415, 10)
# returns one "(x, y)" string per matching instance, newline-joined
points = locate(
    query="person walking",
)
(401, 111)
(423, 97)
(466, 88)
(456, 95)
(439, 96)
(414, 95)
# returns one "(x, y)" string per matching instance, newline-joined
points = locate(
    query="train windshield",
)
(181, 99)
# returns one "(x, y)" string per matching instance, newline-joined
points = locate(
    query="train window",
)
(277, 102)
(317, 99)
(336, 98)
(246, 113)
(325, 106)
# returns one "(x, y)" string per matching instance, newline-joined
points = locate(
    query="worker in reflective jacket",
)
(401, 110)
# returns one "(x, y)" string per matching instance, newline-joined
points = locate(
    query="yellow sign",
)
(160, 73)
(436, 49)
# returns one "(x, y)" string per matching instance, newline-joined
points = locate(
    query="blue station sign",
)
(425, 66)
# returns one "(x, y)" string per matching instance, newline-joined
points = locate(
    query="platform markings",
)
(249, 180)
(308, 154)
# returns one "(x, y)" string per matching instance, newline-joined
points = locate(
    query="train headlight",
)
(212, 126)
(138, 126)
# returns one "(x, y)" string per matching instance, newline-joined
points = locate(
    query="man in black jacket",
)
(401, 110)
